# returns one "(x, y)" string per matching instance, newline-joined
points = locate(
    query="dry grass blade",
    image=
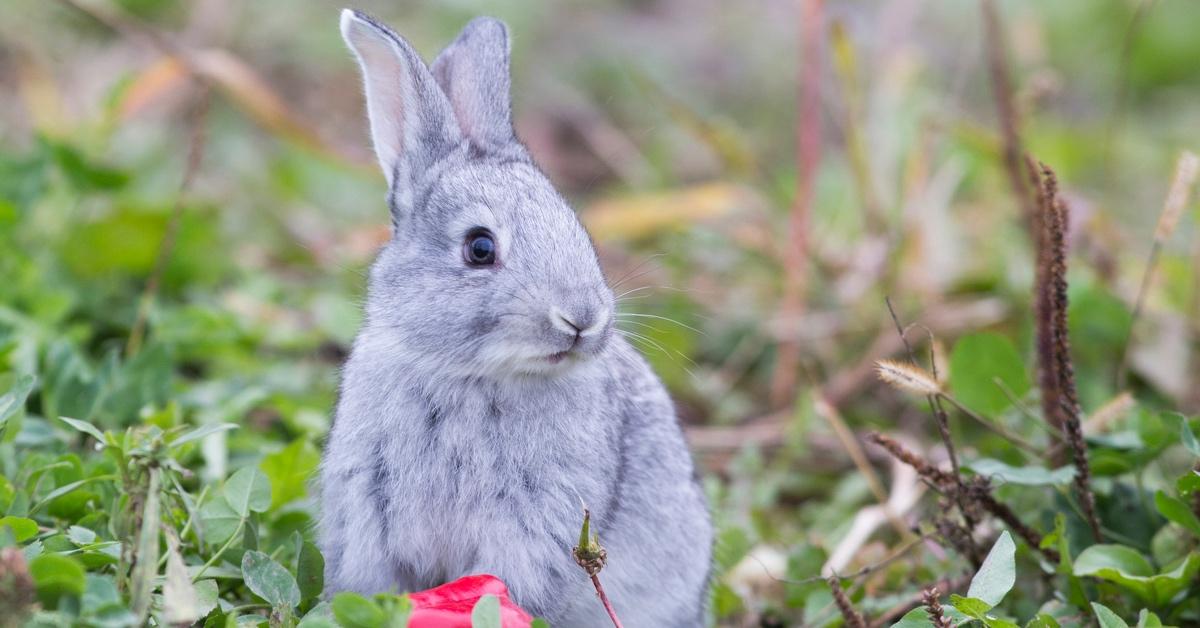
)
(828, 412)
(1187, 168)
(907, 377)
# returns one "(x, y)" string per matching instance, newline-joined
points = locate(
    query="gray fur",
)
(458, 447)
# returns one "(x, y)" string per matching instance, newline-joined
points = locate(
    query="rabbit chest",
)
(449, 477)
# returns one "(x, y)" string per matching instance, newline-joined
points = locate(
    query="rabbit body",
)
(487, 395)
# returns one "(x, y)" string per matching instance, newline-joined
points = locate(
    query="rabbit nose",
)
(582, 323)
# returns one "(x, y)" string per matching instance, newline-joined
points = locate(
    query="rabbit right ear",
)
(473, 71)
(412, 123)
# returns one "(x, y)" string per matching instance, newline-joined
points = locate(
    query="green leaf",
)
(201, 432)
(1043, 620)
(972, 607)
(1188, 437)
(977, 362)
(355, 611)
(1188, 483)
(100, 591)
(218, 521)
(269, 580)
(85, 427)
(13, 401)
(1178, 512)
(541, 623)
(486, 613)
(56, 576)
(80, 535)
(248, 490)
(1107, 618)
(289, 470)
(1131, 570)
(916, 618)
(1026, 476)
(22, 529)
(310, 568)
(998, 573)
(1146, 619)
(207, 596)
(319, 616)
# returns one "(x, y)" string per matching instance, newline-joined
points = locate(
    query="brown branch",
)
(808, 160)
(1010, 124)
(194, 156)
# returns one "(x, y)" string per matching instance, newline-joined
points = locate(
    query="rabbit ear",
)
(473, 71)
(412, 124)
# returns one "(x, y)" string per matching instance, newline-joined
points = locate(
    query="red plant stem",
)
(612, 614)
(808, 159)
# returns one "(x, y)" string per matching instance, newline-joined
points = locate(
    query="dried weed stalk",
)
(853, 618)
(1060, 402)
(976, 497)
(933, 606)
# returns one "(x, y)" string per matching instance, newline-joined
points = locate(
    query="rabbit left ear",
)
(412, 124)
(473, 72)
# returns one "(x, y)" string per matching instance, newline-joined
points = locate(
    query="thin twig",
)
(608, 607)
(591, 557)
(943, 424)
(194, 156)
(999, 430)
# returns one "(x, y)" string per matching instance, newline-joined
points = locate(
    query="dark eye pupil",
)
(482, 250)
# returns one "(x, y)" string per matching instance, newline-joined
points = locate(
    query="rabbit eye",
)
(480, 248)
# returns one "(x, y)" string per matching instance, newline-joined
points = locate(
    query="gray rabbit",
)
(487, 394)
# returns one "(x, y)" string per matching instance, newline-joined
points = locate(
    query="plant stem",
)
(212, 561)
(612, 614)
(999, 430)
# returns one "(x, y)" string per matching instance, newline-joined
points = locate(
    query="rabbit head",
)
(488, 271)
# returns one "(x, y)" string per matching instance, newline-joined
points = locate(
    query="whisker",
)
(662, 318)
(626, 276)
(631, 334)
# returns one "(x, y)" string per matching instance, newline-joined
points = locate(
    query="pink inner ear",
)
(383, 81)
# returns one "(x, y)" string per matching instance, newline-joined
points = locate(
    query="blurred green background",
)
(672, 127)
